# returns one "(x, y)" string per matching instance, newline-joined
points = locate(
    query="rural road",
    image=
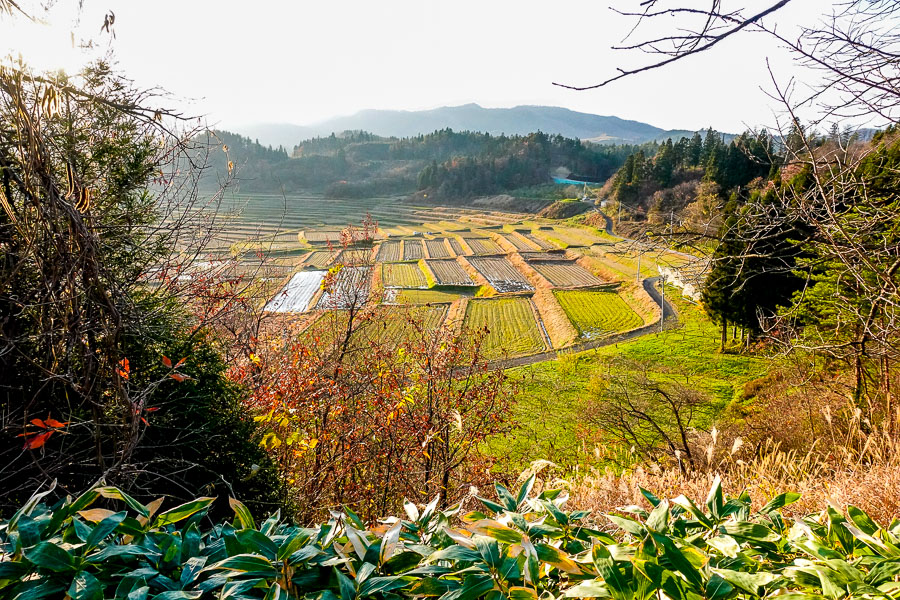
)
(671, 318)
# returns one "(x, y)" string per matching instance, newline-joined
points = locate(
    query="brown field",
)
(449, 272)
(518, 242)
(319, 237)
(540, 243)
(388, 252)
(501, 274)
(354, 256)
(456, 246)
(566, 273)
(319, 258)
(484, 246)
(437, 248)
(549, 255)
(413, 250)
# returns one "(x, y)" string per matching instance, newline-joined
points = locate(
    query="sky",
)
(302, 61)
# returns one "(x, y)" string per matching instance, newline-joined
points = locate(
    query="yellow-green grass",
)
(427, 297)
(511, 327)
(403, 275)
(597, 313)
(554, 395)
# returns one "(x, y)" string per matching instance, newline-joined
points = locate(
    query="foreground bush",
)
(523, 547)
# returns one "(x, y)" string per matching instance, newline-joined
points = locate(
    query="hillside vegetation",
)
(443, 165)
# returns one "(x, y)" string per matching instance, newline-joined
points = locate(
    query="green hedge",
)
(522, 547)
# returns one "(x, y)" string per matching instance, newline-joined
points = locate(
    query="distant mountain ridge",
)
(519, 120)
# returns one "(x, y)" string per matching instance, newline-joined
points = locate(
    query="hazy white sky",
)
(303, 61)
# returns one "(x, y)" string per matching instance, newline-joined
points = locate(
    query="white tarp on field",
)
(297, 294)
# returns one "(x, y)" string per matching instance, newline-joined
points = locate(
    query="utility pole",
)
(637, 276)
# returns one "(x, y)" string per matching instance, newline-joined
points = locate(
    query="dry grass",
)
(871, 482)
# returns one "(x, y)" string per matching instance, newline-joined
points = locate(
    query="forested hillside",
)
(446, 164)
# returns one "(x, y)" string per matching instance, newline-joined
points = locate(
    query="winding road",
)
(649, 283)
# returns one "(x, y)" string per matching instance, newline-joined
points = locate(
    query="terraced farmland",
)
(403, 275)
(351, 287)
(501, 273)
(424, 297)
(354, 256)
(518, 242)
(549, 255)
(597, 313)
(456, 246)
(437, 248)
(512, 327)
(566, 273)
(389, 324)
(413, 250)
(539, 242)
(484, 246)
(321, 237)
(297, 294)
(318, 259)
(449, 272)
(388, 251)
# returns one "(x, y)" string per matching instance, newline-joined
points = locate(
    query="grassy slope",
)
(547, 411)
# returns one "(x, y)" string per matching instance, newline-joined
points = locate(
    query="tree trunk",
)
(724, 334)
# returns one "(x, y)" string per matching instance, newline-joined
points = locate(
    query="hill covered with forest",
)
(444, 165)
(518, 120)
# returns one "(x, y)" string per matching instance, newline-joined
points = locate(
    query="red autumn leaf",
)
(179, 377)
(167, 362)
(180, 362)
(145, 421)
(38, 422)
(124, 368)
(152, 409)
(37, 441)
(55, 423)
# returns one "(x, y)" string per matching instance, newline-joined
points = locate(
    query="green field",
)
(403, 275)
(389, 324)
(427, 296)
(596, 313)
(512, 328)
(550, 408)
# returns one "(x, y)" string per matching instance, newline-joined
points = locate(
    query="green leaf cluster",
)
(520, 547)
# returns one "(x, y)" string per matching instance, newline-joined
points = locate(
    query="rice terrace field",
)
(596, 313)
(565, 273)
(481, 266)
(449, 272)
(511, 324)
(501, 273)
(413, 250)
(437, 248)
(403, 275)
